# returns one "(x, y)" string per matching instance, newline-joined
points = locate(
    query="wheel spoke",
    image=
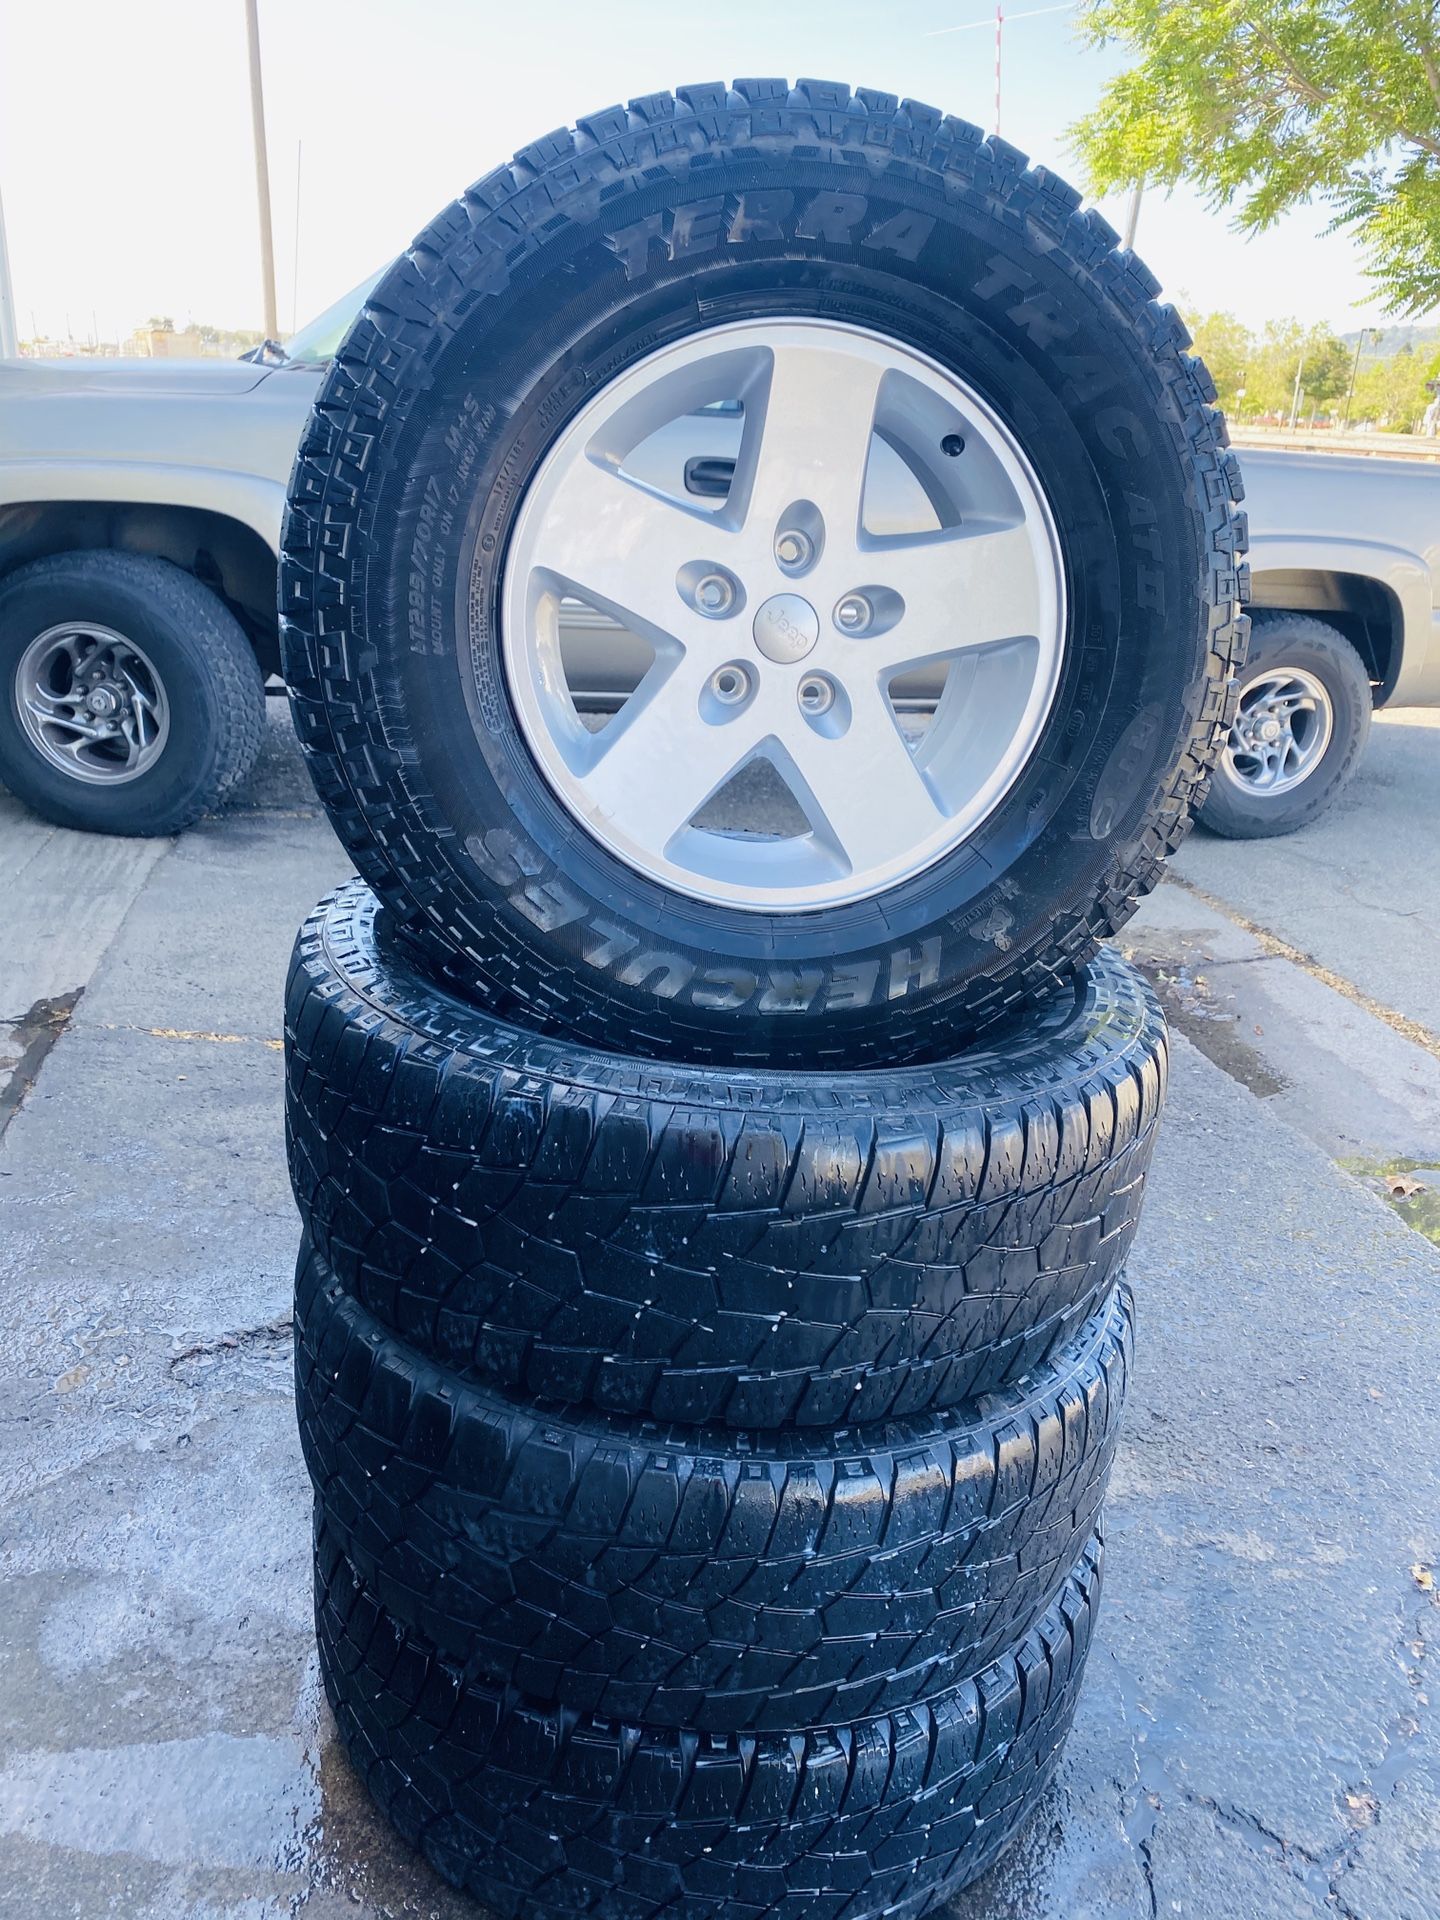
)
(615, 543)
(43, 702)
(140, 696)
(961, 589)
(53, 712)
(1267, 768)
(869, 793)
(132, 734)
(808, 438)
(81, 740)
(661, 760)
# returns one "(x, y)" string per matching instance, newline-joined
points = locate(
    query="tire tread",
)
(549, 1815)
(693, 1245)
(704, 1581)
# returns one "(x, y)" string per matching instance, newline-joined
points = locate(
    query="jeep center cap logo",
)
(786, 628)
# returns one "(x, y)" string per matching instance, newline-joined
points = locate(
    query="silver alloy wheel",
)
(781, 587)
(1281, 729)
(91, 703)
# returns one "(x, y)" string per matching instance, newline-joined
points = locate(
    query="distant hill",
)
(1385, 342)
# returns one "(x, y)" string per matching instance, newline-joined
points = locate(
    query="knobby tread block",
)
(547, 1814)
(705, 1581)
(697, 1244)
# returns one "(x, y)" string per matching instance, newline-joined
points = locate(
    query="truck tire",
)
(764, 857)
(1301, 723)
(691, 1244)
(131, 701)
(545, 1814)
(705, 1581)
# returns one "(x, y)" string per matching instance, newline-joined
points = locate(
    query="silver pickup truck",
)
(140, 509)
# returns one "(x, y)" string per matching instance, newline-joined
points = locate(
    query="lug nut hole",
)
(853, 613)
(817, 694)
(799, 538)
(866, 611)
(711, 590)
(824, 705)
(728, 692)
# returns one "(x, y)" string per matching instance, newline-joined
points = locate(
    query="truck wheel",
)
(878, 457)
(130, 699)
(1300, 727)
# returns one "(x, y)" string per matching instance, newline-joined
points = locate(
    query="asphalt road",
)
(1257, 1736)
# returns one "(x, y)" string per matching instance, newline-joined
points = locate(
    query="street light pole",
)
(1132, 215)
(9, 332)
(1354, 369)
(262, 172)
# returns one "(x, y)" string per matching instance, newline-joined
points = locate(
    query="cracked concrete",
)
(1257, 1736)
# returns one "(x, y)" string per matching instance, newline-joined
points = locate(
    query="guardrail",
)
(1383, 446)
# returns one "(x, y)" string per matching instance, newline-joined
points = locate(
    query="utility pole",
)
(999, 37)
(1354, 369)
(9, 333)
(262, 172)
(1295, 401)
(295, 267)
(1132, 215)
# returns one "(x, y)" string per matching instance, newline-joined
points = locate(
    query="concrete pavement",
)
(1360, 889)
(1257, 1736)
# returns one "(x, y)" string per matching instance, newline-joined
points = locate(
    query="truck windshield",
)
(319, 339)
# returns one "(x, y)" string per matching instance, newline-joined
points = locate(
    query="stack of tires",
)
(762, 592)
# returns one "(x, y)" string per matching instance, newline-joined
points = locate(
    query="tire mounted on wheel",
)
(1300, 727)
(761, 580)
(130, 699)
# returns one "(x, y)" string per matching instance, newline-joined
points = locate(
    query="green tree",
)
(1390, 394)
(1285, 351)
(1225, 345)
(1270, 378)
(1267, 104)
(1326, 372)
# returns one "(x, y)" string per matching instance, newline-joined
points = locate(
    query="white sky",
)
(128, 184)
